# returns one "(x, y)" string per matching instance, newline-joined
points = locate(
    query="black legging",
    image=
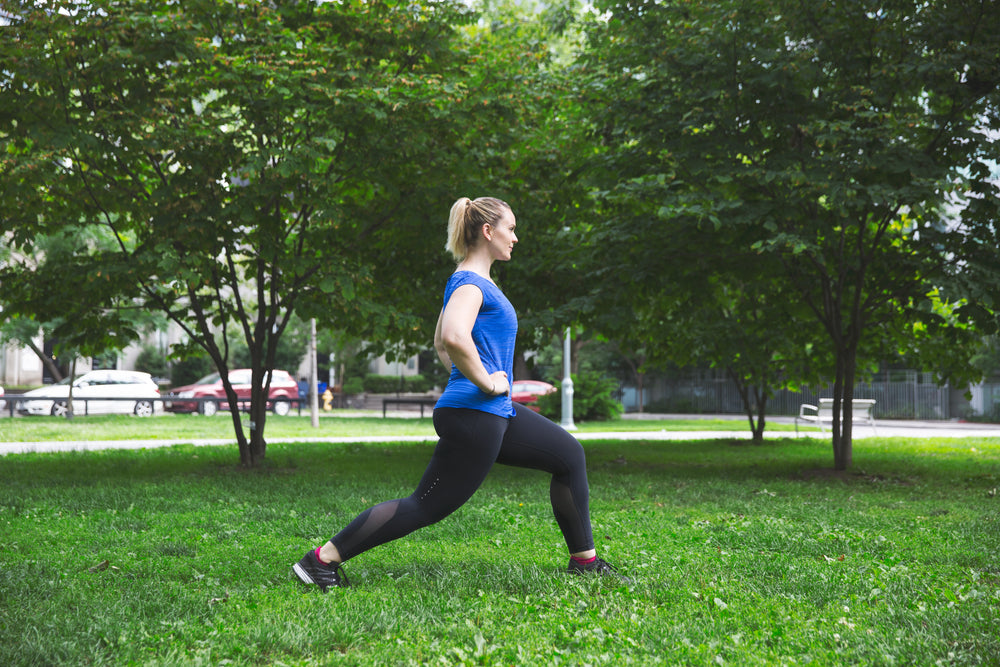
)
(470, 442)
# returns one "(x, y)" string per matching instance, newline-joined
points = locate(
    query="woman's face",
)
(501, 237)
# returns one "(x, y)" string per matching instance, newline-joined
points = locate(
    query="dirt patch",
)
(826, 473)
(855, 476)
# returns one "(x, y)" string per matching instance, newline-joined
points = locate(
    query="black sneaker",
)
(596, 566)
(311, 570)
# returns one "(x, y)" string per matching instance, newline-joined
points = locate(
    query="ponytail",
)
(467, 218)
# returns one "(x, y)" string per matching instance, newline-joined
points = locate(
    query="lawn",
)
(739, 555)
(197, 427)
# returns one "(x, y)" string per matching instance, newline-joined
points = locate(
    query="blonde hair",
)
(467, 217)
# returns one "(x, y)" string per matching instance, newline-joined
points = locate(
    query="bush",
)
(383, 384)
(417, 384)
(152, 361)
(190, 370)
(392, 384)
(592, 399)
(433, 370)
(354, 385)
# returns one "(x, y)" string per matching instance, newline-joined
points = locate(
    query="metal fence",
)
(898, 395)
(84, 406)
(985, 400)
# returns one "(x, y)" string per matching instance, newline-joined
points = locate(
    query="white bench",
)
(822, 414)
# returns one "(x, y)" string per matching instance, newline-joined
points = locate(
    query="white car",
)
(100, 389)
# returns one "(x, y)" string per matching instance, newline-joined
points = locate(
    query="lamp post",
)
(567, 386)
(313, 376)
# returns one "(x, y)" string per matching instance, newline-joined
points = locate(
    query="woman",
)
(476, 422)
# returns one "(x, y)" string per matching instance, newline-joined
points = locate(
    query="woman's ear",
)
(487, 231)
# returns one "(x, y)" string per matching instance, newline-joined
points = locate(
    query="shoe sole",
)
(302, 574)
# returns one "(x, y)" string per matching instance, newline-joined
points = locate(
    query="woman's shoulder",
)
(465, 276)
(464, 281)
(462, 278)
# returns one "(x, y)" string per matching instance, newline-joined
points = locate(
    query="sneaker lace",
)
(341, 575)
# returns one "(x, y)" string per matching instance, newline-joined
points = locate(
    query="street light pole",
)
(313, 376)
(567, 386)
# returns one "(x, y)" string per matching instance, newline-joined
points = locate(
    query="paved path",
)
(884, 428)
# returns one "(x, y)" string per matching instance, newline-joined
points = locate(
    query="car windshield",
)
(208, 379)
(79, 378)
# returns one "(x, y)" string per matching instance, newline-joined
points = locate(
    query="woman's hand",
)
(501, 385)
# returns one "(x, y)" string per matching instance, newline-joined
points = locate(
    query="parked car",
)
(99, 388)
(2, 404)
(284, 389)
(527, 392)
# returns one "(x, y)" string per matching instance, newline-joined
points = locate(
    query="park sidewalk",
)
(884, 429)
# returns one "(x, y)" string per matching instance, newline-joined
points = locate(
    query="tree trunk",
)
(758, 430)
(576, 344)
(46, 360)
(72, 379)
(246, 458)
(521, 371)
(258, 418)
(260, 388)
(753, 407)
(634, 364)
(847, 433)
(838, 395)
(843, 396)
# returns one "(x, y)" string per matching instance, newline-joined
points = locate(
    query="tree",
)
(828, 134)
(250, 160)
(25, 331)
(750, 330)
(691, 297)
(531, 155)
(258, 161)
(56, 250)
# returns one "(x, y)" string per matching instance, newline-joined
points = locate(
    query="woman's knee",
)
(575, 457)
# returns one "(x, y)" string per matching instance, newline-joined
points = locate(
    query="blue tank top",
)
(494, 334)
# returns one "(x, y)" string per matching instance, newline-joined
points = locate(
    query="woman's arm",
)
(454, 344)
(442, 352)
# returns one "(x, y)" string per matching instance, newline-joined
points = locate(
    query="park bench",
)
(822, 414)
(422, 401)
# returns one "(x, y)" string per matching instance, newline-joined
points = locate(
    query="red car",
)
(527, 392)
(284, 390)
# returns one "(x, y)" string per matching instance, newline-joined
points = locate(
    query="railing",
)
(11, 409)
(903, 395)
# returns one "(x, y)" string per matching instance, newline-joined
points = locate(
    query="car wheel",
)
(60, 408)
(143, 409)
(282, 407)
(208, 408)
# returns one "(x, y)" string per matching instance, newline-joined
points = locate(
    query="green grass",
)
(740, 555)
(195, 427)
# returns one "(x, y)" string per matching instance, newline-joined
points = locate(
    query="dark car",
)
(527, 392)
(284, 390)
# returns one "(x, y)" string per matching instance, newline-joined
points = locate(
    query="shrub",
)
(392, 384)
(152, 361)
(417, 384)
(592, 399)
(354, 385)
(190, 370)
(383, 384)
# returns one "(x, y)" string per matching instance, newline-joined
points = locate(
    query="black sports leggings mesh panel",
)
(470, 442)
